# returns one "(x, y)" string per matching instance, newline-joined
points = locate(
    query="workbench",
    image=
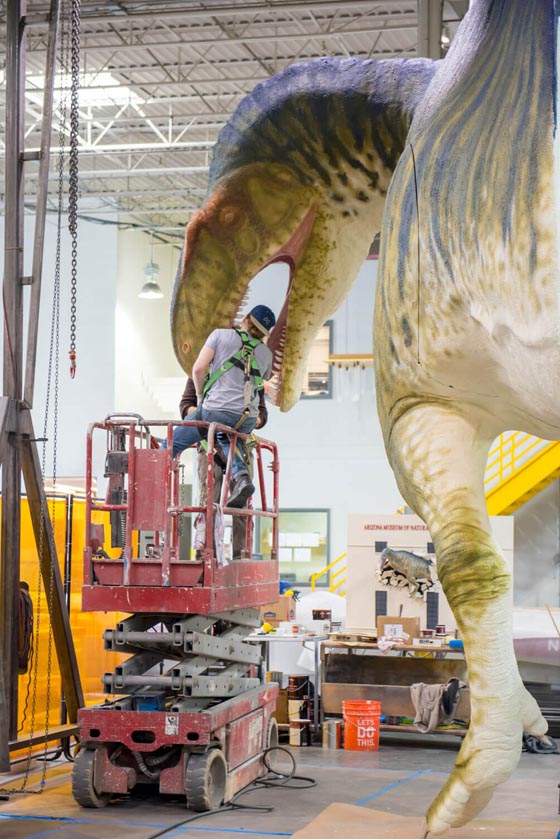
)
(360, 670)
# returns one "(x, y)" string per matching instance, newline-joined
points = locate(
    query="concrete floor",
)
(402, 777)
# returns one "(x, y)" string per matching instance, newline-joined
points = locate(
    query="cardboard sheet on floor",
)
(339, 821)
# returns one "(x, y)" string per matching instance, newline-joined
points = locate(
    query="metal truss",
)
(160, 80)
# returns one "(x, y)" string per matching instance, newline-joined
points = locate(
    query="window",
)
(318, 382)
(303, 544)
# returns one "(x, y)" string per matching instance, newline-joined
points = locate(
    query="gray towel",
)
(435, 704)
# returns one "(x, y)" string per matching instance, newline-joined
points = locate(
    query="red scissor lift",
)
(193, 713)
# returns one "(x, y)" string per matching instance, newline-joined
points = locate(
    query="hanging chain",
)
(73, 172)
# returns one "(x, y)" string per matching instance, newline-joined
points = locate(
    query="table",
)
(302, 638)
(354, 669)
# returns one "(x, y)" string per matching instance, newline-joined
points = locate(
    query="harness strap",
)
(245, 360)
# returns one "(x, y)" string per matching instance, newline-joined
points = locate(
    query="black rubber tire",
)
(83, 789)
(206, 780)
(271, 734)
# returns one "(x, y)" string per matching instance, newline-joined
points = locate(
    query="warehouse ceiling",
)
(160, 79)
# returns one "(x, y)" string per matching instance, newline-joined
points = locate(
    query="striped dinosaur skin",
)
(466, 324)
(466, 337)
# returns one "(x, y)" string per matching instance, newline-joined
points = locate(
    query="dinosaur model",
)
(404, 568)
(454, 162)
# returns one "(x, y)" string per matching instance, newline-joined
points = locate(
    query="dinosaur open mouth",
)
(290, 254)
(277, 343)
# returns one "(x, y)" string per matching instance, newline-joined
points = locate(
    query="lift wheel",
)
(205, 781)
(83, 788)
(271, 734)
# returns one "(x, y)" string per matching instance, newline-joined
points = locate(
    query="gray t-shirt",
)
(228, 392)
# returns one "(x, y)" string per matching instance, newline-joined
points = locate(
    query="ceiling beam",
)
(252, 80)
(409, 22)
(227, 10)
(88, 174)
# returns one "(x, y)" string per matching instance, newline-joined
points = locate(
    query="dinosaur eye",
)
(285, 177)
(229, 215)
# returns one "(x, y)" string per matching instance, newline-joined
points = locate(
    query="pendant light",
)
(151, 289)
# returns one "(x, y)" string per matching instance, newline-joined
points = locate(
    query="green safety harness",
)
(245, 360)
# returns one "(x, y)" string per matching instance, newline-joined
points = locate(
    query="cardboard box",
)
(283, 610)
(395, 625)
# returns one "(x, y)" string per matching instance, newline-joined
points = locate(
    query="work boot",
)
(241, 491)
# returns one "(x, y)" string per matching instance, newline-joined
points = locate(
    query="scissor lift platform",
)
(193, 713)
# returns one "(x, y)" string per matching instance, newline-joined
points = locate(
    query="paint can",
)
(332, 734)
(298, 687)
(300, 729)
(440, 629)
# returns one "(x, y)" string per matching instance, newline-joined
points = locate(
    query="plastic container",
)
(361, 724)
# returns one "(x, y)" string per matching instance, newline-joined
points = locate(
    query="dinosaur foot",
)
(488, 756)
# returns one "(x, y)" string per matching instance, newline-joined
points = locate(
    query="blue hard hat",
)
(263, 318)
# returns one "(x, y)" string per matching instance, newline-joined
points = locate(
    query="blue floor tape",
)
(217, 829)
(173, 830)
(389, 787)
(76, 821)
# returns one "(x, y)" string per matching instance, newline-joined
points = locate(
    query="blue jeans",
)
(185, 435)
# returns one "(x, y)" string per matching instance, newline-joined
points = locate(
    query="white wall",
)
(90, 394)
(144, 352)
(537, 550)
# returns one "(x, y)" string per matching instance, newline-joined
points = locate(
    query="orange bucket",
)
(361, 724)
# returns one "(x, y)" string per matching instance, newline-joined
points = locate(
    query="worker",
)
(228, 377)
(187, 406)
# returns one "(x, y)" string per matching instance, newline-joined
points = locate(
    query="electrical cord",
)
(291, 776)
(281, 781)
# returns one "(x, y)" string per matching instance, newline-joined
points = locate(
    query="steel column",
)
(13, 331)
(430, 13)
(14, 415)
(41, 212)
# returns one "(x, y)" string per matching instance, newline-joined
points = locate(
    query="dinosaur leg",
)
(439, 460)
(413, 586)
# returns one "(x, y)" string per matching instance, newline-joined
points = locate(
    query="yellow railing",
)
(519, 466)
(511, 451)
(336, 580)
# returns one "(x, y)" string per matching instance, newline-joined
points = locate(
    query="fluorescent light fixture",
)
(96, 90)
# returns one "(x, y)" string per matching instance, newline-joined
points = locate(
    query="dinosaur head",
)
(258, 215)
(299, 175)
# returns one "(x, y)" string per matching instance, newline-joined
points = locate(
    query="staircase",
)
(519, 466)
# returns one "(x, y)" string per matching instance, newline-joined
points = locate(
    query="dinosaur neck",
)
(510, 44)
(326, 120)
